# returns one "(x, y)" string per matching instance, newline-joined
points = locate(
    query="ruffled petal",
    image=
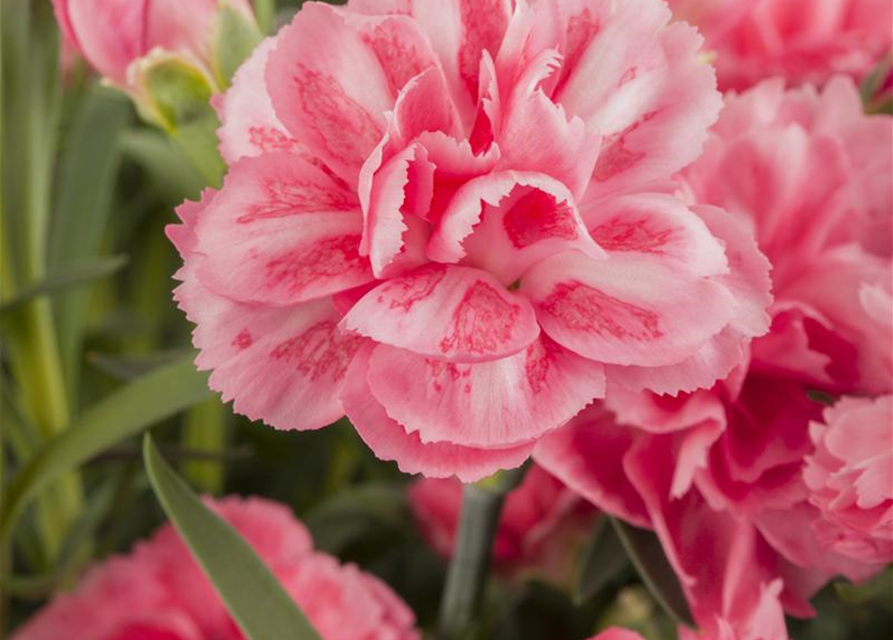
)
(624, 310)
(641, 85)
(507, 221)
(328, 87)
(453, 313)
(281, 232)
(390, 441)
(587, 455)
(501, 403)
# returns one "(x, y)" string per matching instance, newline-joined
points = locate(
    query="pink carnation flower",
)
(451, 222)
(158, 591)
(719, 474)
(850, 478)
(757, 39)
(112, 34)
(541, 528)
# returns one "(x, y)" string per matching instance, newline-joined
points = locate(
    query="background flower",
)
(758, 39)
(158, 591)
(719, 474)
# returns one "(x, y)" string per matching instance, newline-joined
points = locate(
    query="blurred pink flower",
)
(158, 591)
(541, 529)
(438, 224)
(719, 474)
(850, 478)
(112, 34)
(757, 39)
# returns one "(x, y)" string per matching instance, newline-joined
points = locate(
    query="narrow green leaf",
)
(236, 34)
(265, 12)
(150, 399)
(127, 367)
(71, 277)
(171, 175)
(83, 201)
(647, 555)
(601, 560)
(875, 79)
(256, 600)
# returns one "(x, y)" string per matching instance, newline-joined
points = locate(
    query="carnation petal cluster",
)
(453, 222)
(158, 592)
(113, 34)
(759, 492)
(803, 42)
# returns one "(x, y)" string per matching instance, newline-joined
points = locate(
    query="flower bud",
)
(112, 35)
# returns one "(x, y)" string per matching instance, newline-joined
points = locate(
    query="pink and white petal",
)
(713, 361)
(282, 365)
(624, 310)
(402, 48)
(507, 221)
(183, 235)
(455, 163)
(464, 212)
(385, 225)
(784, 531)
(664, 414)
(587, 455)
(390, 441)
(425, 104)
(280, 232)
(642, 86)
(535, 134)
(329, 89)
(748, 277)
(452, 313)
(381, 7)
(656, 226)
(501, 403)
(460, 32)
(249, 125)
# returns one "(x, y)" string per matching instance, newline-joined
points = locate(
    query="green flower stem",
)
(205, 430)
(467, 574)
(31, 97)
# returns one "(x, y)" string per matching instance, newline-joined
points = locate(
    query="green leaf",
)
(128, 367)
(647, 555)
(71, 277)
(875, 79)
(265, 11)
(253, 596)
(600, 562)
(150, 399)
(236, 34)
(171, 175)
(86, 183)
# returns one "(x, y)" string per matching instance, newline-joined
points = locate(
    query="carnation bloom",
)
(849, 478)
(541, 527)
(757, 39)
(158, 591)
(112, 34)
(719, 474)
(451, 221)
